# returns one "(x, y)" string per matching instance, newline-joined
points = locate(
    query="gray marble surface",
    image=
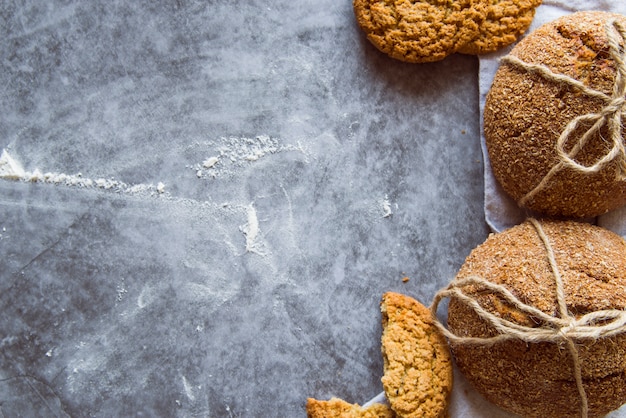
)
(276, 174)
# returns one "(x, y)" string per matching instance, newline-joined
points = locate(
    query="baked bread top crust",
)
(537, 379)
(526, 113)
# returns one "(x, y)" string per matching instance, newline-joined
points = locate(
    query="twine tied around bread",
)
(565, 329)
(610, 115)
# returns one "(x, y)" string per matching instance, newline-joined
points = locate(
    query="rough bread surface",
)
(537, 379)
(505, 22)
(417, 365)
(419, 31)
(525, 114)
(338, 408)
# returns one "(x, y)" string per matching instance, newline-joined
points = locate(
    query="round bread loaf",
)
(538, 379)
(420, 31)
(526, 112)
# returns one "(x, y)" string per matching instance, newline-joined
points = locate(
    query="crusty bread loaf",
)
(525, 113)
(537, 379)
(417, 364)
(338, 408)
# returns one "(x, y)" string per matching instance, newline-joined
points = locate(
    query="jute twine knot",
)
(610, 115)
(564, 330)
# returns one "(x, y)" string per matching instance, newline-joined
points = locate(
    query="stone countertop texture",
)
(279, 175)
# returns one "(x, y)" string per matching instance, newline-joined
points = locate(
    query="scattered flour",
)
(239, 151)
(11, 169)
(386, 207)
(251, 231)
(121, 291)
(210, 162)
(188, 389)
(227, 154)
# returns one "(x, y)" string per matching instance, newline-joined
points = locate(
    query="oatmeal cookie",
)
(420, 31)
(338, 408)
(505, 22)
(417, 365)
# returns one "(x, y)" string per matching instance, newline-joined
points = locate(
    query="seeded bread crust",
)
(420, 31)
(525, 114)
(417, 365)
(505, 22)
(338, 408)
(537, 379)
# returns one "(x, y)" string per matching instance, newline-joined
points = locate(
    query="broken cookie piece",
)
(417, 365)
(338, 408)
